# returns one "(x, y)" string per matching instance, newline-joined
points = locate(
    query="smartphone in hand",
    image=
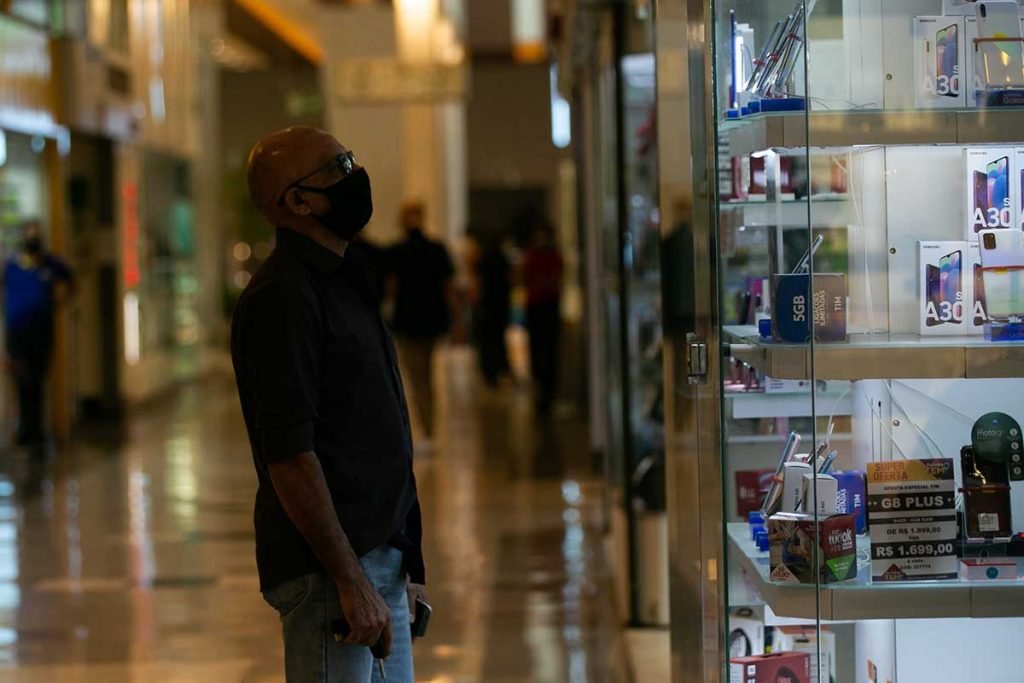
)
(422, 612)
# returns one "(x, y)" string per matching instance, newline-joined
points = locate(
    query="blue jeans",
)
(309, 603)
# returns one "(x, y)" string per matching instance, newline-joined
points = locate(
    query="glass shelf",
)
(873, 128)
(879, 356)
(860, 599)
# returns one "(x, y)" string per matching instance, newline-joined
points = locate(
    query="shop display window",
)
(869, 215)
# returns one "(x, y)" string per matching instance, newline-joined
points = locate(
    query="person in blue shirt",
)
(32, 280)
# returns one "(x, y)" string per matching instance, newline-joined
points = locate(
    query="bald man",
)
(337, 516)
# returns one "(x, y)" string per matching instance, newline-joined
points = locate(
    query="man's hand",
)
(367, 615)
(415, 591)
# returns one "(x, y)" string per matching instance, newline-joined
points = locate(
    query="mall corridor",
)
(134, 561)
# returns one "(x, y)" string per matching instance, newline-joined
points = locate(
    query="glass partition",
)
(871, 278)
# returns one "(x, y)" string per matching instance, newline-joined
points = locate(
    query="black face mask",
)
(33, 245)
(351, 204)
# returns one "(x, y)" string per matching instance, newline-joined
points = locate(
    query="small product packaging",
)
(851, 497)
(825, 499)
(988, 569)
(751, 488)
(939, 60)
(792, 667)
(793, 485)
(991, 194)
(805, 639)
(792, 539)
(746, 631)
(944, 287)
(798, 309)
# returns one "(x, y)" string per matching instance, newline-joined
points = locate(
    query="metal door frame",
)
(688, 186)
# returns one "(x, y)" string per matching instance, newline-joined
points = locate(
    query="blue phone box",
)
(796, 307)
(851, 497)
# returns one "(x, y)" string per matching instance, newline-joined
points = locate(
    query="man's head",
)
(414, 215)
(302, 178)
(32, 237)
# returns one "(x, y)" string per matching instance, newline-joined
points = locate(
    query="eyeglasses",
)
(344, 163)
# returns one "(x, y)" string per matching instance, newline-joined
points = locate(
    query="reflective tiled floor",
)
(131, 559)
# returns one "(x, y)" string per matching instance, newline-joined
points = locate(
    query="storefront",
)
(842, 259)
(32, 149)
(617, 150)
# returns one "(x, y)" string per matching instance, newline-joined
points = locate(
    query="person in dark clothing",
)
(338, 529)
(31, 281)
(542, 278)
(492, 312)
(423, 283)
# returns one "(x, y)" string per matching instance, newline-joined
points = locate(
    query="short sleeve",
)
(280, 346)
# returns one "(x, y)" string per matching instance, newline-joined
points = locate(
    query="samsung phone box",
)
(939, 60)
(992, 189)
(977, 313)
(1017, 180)
(944, 289)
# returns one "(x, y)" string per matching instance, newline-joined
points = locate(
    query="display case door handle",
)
(696, 360)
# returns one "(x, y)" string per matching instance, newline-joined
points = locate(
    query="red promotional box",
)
(779, 667)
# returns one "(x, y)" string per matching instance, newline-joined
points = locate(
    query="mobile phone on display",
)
(422, 612)
(1002, 260)
(1003, 60)
(979, 312)
(998, 183)
(987, 508)
(946, 57)
(980, 194)
(951, 282)
(1002, 248)
(933, 287)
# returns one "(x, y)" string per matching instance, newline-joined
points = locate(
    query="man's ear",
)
(295, 201)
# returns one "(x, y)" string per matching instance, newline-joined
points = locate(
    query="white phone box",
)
(827, 496)
(945, 288)
(793, 485)
(939, 63)
(991, 189)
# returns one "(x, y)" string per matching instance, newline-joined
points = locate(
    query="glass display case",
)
(857, 335)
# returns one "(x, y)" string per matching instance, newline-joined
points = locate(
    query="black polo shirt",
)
(316, 371)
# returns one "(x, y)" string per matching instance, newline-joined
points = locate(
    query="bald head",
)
(281, 158)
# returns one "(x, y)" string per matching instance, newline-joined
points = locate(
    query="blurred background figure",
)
(32, 281)
(421, 282)
(492, 303)
(542, 279)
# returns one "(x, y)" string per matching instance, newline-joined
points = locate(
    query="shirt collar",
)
(309, 250)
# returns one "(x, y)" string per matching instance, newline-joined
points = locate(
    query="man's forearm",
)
(302, 490)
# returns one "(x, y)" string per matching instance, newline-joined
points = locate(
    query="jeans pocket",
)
(289, 595)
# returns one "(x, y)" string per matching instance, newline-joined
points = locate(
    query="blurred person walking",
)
(337, 516)
(492, 308)
(422, 277)
(542, 278)
(31, 281)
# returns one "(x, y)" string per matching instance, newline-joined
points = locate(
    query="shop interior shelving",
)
(873, 128)
(860, 599)
(879, 356)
